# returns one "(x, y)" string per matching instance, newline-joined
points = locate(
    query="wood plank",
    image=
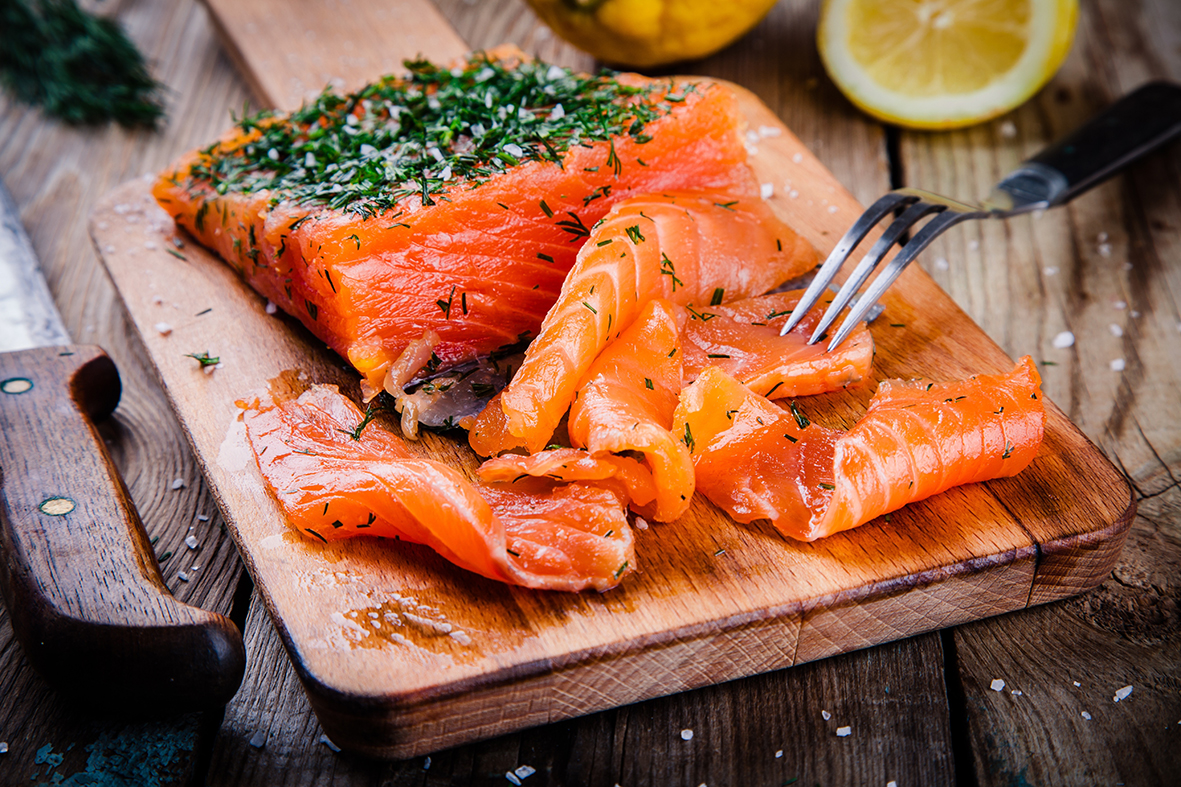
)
(55, 174)
(527, 653)
(896, 712)
(1102, 269)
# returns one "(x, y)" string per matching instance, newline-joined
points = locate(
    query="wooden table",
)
(1107, 268)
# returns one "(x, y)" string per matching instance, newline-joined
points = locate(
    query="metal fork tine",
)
(870, 261)
(872, 215)
(933, 229)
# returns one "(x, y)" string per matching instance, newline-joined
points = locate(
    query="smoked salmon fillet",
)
(336, 475)
(693, 248)
(757, 461)
(452, 200)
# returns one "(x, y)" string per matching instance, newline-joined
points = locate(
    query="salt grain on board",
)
(202, 518)
(1008, 129)
(767, 190)
(1116, 331)
(826, 715)
(177, 483)
(891, 783)
(686, 735)
(258, 739)
(3, 747)
(1118, 365)
(779, 754)
(941, 264)
(191, 542)
(997, 685)
(324, 738)
(1064, 340)
(163, 328)
(525, 771)
(1104, 249)
(271, 308)
(1050, 270)
(1077, 683)
(512, 778)
(1120, 305)
(1122, 694)
(1086, 716)
(797, 158)
(844, 732)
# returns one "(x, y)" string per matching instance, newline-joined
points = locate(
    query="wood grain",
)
(1103, 268)
(690, 618)
(55, 174)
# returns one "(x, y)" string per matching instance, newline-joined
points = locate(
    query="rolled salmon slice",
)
(917, 439)
(336, 475)
(691, 248)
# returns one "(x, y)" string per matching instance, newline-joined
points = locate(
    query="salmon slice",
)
(626, 401)
(631, 480)
(916, 439)
(450, 200)
(692, 248)
(742, 339)
(335, 475)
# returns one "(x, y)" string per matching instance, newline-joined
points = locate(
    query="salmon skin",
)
(451, 200)
(917, 439)
(336, 475)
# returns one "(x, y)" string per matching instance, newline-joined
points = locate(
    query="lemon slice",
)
(943, 63)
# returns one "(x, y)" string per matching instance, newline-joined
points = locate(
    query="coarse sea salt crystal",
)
(770, 131)
(832, 208)
(557, 113)
(3, 747)
(1077, 683)
(941, 264)
(258, 739)
(1086, 716)
(525, 771)
(514, 150)
(512, 777)
(1118, 365)
(641, 523)
(1008, 129)
(1064, 340)
(324, 739)
(797, 158)
(163, 328)
(844, 732)
(271, 308)
(825, 715)
(177, 483)
(191, 542)
(1120, 305)
(1104, 249)
(1116, 331)
(891, 783)
(202, 518)
(686, 735)
(1122, 694)
(779, 754)
(997, 685)
(767, 190)
(794, 194)
(426, 764)
(1050, 270)
(182, 576)
(973, 244)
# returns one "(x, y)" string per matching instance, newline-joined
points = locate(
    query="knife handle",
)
(81, 582)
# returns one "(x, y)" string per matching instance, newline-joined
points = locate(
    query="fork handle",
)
(1130, 128)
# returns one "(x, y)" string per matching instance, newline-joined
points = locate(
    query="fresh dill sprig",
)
(79, 67)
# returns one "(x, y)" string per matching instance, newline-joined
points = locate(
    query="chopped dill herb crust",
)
(451, 199)
(365, 152)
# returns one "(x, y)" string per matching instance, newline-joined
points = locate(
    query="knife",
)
(83, 589)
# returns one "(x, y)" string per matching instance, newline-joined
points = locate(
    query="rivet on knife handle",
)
(81, 582)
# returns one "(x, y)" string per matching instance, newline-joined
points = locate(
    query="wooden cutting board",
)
(402, 653)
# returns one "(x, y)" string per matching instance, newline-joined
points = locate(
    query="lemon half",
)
(943, 63)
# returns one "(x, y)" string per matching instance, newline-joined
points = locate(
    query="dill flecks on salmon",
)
(335, 475)
(451, 200)
(917, 439)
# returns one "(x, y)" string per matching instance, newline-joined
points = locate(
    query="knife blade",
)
(82, 586)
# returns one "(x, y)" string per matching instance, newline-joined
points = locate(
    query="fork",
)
(1127, 130)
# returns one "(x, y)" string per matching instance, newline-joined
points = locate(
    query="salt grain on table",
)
(258, 739)
(1122, 694)
(1050, 270)
(1116, 331)
(202, 518)
(767, 190)
(182, 576)
(1064, 340)
(826, 715)
(1120, 305)
(163, 328)
(686, 735)
(1086, 716)
(271, 308)
(177, 483)
(797, 158)
(844, 732)
(3, 747)
(779, 754)
(1104, 249)
(1077, 683)
(191, 542)
(512, 778)
(1008, 129)
(997, 685)
(891, 783)
(327, 742)
(1118, 365)
(426, 764)
(525, 771)
(941, 264)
